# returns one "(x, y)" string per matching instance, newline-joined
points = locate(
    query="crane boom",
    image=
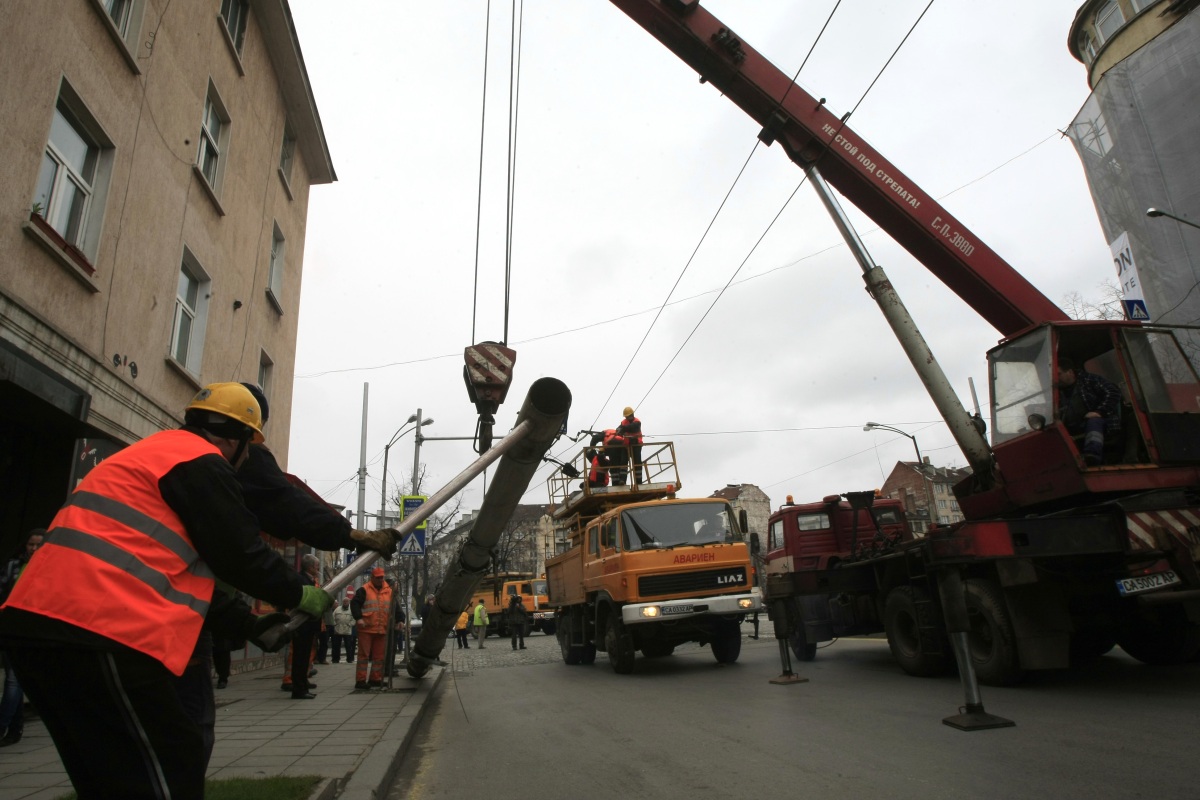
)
(811, 135)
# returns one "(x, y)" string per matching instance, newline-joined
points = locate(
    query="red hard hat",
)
(378, 572)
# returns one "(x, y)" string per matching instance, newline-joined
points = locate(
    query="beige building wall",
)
(102, 323)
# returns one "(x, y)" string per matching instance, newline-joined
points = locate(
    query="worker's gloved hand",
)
(256, 627)
(382, 541)
(315, 601)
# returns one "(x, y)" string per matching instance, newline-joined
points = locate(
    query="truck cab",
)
(805, 544)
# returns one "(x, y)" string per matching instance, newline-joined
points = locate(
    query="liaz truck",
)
(642, 570)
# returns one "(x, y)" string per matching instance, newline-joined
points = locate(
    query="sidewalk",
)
(353, 739)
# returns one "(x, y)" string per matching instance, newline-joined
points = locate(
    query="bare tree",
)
(1106, 305)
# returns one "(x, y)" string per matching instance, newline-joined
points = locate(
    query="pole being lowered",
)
(544, 410)
(537, 426)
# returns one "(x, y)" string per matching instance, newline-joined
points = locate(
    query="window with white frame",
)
(1138, 5)
(266, 369)
(191, 314)
(73, 179)
(1109, 20)
(125, 18)
(286, 153)
(118, 11)
(214, 137)
(1087, 47)
(275, 273)
(235, 13)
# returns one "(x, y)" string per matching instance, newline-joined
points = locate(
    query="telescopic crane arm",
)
(812, 136)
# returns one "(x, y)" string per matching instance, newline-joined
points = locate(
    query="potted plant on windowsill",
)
(72, 252)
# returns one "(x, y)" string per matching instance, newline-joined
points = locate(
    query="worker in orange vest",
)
(597, 469)
(116, 595)
(372, 607)
(631, 428)
(616, 450)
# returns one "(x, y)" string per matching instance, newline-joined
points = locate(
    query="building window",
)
(275, 273)
(73, 179)
(1138, 5)
(64, 187)
(1109, 20)
(234, 13)
(266, 369)
(191, 314)
(214, 137)
(286, 153)
(118, 12)
(1087, 47)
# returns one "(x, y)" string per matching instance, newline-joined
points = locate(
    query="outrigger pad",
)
(977, 720)
(787, 679)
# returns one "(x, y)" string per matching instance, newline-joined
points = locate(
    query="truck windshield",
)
(677, 525)
(539, 587)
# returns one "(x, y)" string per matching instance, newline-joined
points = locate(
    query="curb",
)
(372, 779)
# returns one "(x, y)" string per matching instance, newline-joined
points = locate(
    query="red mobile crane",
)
(1054, 555)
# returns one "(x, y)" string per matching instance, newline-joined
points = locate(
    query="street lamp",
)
(873, 426)
(399, 433)
(1158, 212)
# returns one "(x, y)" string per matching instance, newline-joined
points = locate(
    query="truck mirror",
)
(743, 520)
(755, 547)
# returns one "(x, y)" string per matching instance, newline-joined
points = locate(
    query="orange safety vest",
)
(375, 609)
(634, 438)
(117, 560)
(597, 476)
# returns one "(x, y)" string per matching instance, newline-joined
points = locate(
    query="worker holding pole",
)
(111, 606)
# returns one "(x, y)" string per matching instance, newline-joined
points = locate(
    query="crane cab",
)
(1152, 441)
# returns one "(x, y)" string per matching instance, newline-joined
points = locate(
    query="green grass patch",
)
(278, 788)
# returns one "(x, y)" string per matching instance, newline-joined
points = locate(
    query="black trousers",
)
(302, 648)
(116, 720)
(349, 640)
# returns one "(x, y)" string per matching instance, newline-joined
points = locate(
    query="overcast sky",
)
(622, 160)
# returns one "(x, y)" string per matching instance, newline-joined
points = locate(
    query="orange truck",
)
(642, 570)
(496, 592)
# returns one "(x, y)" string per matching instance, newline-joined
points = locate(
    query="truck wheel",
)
(1162, 637)
(657, 649)
(903, 627)
(727, 641)
(570, 653)
(798, 638)
(991, 640)
(548, 628)
(620, 649)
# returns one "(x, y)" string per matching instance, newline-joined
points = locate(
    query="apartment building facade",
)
(155, 185)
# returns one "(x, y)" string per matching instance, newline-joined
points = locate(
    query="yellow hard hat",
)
(231, 400)
(628, 412)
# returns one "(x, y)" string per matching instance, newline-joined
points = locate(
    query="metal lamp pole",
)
(383, 489)
(872, 426)
(1158, 212)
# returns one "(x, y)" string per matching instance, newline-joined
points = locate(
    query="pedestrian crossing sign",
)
(1136, 309)
(413, 544)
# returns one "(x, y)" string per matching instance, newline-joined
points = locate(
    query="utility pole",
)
(362, 466)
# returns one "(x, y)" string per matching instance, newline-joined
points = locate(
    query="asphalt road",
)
(524, 725)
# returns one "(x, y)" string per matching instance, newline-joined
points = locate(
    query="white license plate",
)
(680, 609)
(1146, 583)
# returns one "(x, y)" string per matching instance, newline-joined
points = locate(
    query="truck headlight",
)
(650, 611)
(745, 602)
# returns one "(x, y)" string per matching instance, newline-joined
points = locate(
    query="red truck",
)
(805, 544)
(1057, 557)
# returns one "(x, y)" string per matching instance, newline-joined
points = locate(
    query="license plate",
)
(680, 609)
(1146, 583)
